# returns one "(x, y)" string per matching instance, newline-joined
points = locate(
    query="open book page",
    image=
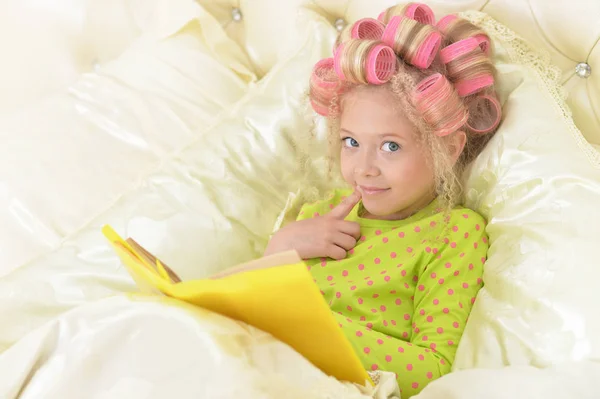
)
(152, 260)
(282, 258)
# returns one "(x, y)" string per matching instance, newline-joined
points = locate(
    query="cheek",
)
(414, 172)
(346, 167)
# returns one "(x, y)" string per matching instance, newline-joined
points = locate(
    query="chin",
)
(375, 210)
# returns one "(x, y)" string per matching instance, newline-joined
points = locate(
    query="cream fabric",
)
(174, 141)
(68, 156)
(543, 224)
(155, 347)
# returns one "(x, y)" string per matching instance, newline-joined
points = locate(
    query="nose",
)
(366, 164)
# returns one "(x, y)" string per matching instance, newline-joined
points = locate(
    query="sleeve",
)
(413, 365)
(446, 290)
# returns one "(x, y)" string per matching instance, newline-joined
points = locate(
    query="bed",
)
(180, 123)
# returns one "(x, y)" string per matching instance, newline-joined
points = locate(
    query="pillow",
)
(538, 184)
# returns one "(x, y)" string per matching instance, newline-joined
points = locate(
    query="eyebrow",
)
(379, 135)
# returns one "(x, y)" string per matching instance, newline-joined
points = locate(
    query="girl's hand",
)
(323, 236)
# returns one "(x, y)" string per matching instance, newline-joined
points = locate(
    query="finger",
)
(350, 228)
(343, 208)
(335, 252)
(345, 241)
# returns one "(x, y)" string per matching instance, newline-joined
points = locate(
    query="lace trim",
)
(520, 52)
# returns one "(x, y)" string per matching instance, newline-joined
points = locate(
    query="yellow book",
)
(276, 294)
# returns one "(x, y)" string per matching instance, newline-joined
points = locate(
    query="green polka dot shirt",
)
(403, 294)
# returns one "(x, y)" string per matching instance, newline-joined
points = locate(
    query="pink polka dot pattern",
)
(403, 294)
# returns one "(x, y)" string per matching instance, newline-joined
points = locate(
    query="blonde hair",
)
(449, 95)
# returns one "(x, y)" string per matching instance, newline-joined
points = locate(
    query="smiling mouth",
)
(372, 190)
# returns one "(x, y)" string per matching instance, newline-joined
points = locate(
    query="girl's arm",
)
(445, 294)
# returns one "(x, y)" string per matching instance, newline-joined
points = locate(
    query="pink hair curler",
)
(319, 108)
(471, 86)
(484, 43)
(427, 50)
(323, 85)
(367, 28)
(380, 64)
(389, 33)
(491, 105)
(455, 50)
(420, 12)
(482, 40)
(321, 76)
(465, 87)
(337, 61)
(443, 23)
(429, 85)
(435, 93)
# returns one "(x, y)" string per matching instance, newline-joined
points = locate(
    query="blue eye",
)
(390, 146)
(350, 142)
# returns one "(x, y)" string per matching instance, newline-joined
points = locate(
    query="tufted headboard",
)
(63, 41)
(568, 30)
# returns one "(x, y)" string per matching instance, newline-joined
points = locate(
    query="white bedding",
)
(177, 135)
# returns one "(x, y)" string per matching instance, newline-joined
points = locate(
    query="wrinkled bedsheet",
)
(178, 136)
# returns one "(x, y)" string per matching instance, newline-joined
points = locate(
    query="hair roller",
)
(390, 12)
(485, 113)
(324, 84)
(468, 67)
(364, 61)
(456, 29)
(418, 11)
(445, 22)
(366, 28)
(438, 103)
(412, 41)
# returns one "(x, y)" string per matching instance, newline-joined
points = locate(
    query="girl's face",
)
(381, 156)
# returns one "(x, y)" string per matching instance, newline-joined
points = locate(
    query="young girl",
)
(410, 103)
